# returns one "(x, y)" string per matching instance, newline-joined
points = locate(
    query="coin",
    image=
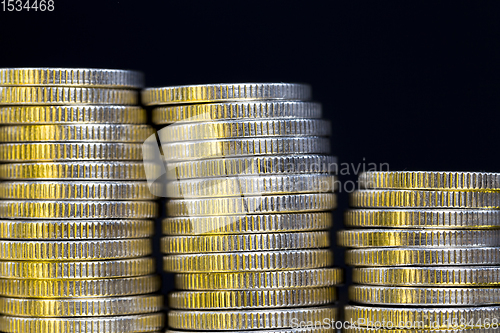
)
(252, 205)
(67, 114)
(236, 110)
(247, 319)
(251, 185)
(134, 323)
(75, 250)
(252, 165)
(77, 269)
(113, 170)
(76, 229)
(310, 278)
(44, 209)
(418, 237)
(76, 133)
(83, 77)
(251, 242)
(425, 199)
(247, 224)
(244, 128)
(49, 151)
(244, 299)
(423, 256)
(248, 261)
(225, 92)
(430, 180)
(423, 218)
(65, 288)
(189, 150)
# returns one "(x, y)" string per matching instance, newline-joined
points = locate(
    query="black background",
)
(411, 83)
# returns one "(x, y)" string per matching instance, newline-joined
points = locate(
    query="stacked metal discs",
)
(75, 207)
(251, 194)
(426, 252)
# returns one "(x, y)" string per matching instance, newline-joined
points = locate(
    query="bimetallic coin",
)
(252, 205)
(430, 180)
(248, 261)
(77, 269)
(75, 250)
(134, 323)
(65, 288)
(423, 256)
(247, 224)
(423, 218)
(251, 185)
(244, 299)
(311, 278)
(417, 237)
(247, 319)
(425, 199)
(428, 276)
(81, 77)
(225, 92)
(384, 295)
(236, 110)
(242, 243)
(193, 150)
(76, 133)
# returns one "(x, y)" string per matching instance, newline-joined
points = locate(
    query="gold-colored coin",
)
(75, 229)
(77, 269)
(236, 110)
(423, 218)
(425, 199)
(248, 261)
(426, 180)
(428, 296)
(417, 237)
(247, 224)
(65, 288)
(249, 319)
(133, 323)
(428, 276)
(310, 278)
(75, 190)
(66, 95)
(423, 256)
(48, 151)
(244, 299)
(74, 170)
(244, 243)
(225, 92)
(251, 185)
(77, 133)
(422, 318)
(81, 307)
(253, 205)
(45, 209)
(75, 250)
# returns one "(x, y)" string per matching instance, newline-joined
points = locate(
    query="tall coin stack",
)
(251, 195)
(76, 209)
(426, 252)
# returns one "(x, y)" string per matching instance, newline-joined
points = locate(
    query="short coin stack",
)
(426, 252)
(75, 206)
(249, 213)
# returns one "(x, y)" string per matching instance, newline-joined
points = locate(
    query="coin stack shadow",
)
(251, 195)
(76, 209)
(426, 252)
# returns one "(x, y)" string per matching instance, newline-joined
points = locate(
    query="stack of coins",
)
(426, 252)
(76, 209)
(251, 195)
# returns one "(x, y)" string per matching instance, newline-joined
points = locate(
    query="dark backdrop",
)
(411, 83)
